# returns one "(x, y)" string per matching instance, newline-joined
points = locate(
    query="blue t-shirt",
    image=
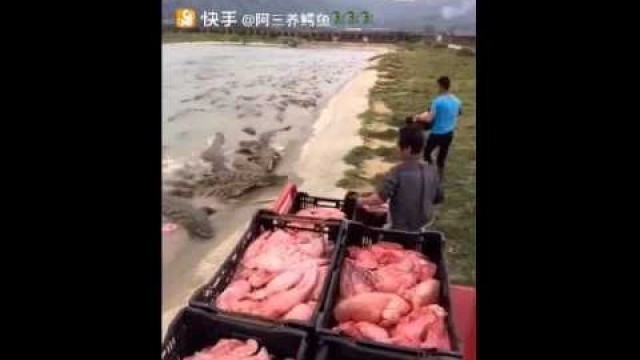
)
(447, 109)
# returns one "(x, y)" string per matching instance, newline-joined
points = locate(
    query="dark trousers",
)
(442, 142)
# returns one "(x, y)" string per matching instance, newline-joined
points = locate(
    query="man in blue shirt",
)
(442, 118)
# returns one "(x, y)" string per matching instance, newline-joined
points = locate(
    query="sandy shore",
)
(335, 133)
(319, 166)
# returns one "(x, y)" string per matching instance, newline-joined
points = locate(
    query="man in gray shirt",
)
(411, 187)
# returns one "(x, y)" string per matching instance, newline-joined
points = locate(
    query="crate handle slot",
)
(326, 203)
(295, 218)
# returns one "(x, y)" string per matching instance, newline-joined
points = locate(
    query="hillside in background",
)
(441, 15)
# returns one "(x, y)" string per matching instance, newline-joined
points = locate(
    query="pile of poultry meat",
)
(389, 294)
(282, 273)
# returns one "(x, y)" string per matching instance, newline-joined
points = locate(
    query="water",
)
(208, 88)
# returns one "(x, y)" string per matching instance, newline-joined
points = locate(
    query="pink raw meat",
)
(308, 262)
(245, 306)
(389, 245)
(280, 259)
(405, 264)
(300, 312)
(311, 244)
(403, 280)
(303, 225)
(257, 245)
(247, 349)
(425, 268)
(282, 237)
(386, 255)
(317, 290)
(271, 261)
(395, 309)
(363, 257)
(363, 330)
(260, 277)
(271, 252)
(394, 279)
(374, 307)
(282, 282)
(223, 346)
(412, 329)
(234, 292)
(425, 293)
(354, 280)
(279, 304)
(218, 351)
(231, 349)
(322, 213)
(349, 328)
(437, 336)
(376, 209)
(328, 246)
(281, 274)
(373, 332)
(242, 272)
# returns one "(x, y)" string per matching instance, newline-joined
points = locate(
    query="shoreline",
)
(336, 131)
(338, 119)
(305, 45)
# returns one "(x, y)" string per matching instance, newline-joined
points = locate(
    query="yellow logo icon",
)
(185, 18)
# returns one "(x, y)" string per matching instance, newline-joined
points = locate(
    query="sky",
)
(462, 8)
(413, 13)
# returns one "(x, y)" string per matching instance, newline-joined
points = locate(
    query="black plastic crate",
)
(204, 298)
(303, 200)
(347, 205)
(193, 330)
(429, 243)
(334, 348)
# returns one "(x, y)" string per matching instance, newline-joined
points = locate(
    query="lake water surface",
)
(209, 88)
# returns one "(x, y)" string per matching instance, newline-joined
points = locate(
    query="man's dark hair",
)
(408, 120)
(410, 137)
(444, 82)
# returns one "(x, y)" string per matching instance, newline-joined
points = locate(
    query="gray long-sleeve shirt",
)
(402, 187)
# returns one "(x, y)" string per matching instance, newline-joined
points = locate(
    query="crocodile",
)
(252, 167)
(194, 220)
